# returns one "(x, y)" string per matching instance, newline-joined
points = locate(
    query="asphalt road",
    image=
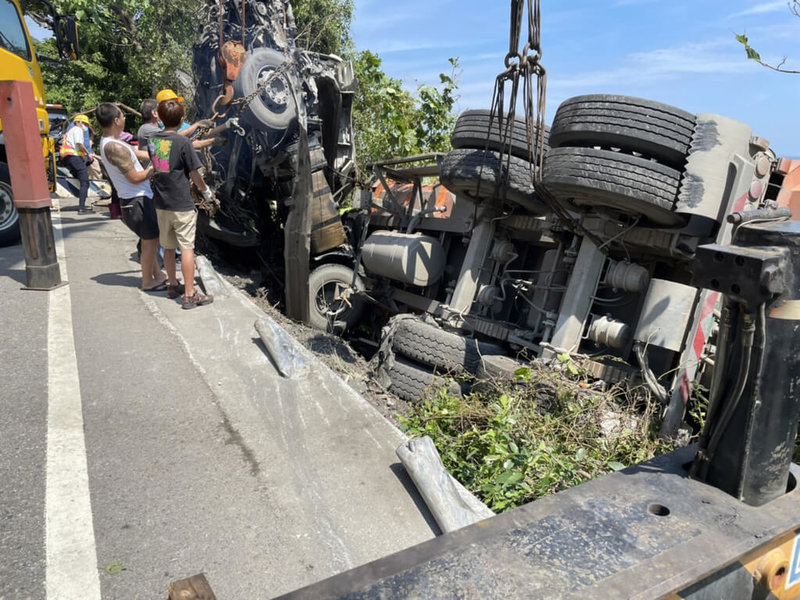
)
(142, 443)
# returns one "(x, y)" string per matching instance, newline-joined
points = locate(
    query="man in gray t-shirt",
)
(150, 125)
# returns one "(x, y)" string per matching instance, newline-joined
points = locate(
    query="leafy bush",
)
(541, 434)
(389, 121)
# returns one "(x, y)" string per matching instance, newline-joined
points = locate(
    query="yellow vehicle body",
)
(20, 64)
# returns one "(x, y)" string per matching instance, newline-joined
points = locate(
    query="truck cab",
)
(18, 62)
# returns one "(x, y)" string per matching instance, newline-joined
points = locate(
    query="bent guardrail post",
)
(282, 349)
(451, 504)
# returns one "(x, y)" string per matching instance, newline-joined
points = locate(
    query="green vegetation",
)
(752, 53)
(133, 48)
(391, 122)
(324, 25)
(545, 432)
(130, 49)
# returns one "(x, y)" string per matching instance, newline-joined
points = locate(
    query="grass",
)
(545, 432)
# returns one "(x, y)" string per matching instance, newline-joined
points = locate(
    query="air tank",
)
(411, 258)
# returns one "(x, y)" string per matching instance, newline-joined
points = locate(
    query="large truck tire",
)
(650, 128)
(481, 174)
(9, 217)
(412, 382)
(443, 350)
(273, 107)
(329, 311)
(477, 129)
(587, 177)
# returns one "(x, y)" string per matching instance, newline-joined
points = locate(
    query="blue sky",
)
(680, 52)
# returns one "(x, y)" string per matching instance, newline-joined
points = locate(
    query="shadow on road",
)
(123, 278)
(12, 263)
(402, 475)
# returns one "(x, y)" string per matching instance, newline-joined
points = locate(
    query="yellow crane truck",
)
(18, 62)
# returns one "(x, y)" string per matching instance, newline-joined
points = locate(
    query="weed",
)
(115, 567)
(540, 434)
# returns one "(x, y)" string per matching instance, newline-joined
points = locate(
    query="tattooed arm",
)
(141, 154)
(119, 156)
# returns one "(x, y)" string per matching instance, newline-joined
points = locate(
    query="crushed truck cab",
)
(248, 68)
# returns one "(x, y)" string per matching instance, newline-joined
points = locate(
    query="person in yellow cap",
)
(76, 156)
(168, 94)
(186, 129)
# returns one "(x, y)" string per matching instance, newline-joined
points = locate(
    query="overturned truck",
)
(464, 263)
(594, 262)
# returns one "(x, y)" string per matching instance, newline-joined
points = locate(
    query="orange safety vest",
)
(67, 149)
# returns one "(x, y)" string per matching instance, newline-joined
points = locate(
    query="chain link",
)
(521, 67)
(245, 100)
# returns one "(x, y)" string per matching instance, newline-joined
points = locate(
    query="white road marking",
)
(70, 546)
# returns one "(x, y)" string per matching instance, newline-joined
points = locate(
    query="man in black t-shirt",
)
(174, 163)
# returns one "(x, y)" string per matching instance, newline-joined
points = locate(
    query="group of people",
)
(152, 182)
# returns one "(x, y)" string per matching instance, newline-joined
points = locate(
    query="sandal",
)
(175, 291)
(159, 287)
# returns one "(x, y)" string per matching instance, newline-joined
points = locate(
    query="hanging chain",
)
(521, 67)
(245, 100)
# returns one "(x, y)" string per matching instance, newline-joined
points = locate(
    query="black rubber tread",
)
(327, 274)
(477, 129)
(653, 129)
(444, 350)
(475, 173)
(497, 367)
(412, 382)
(9, 230)
(625, 183)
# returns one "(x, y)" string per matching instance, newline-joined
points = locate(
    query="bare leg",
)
(187, 268)
(169, 265)
(150, 270)
(158, 275)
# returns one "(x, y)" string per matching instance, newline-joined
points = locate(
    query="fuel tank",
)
(411, 258)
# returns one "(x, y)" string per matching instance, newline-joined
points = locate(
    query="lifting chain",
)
(521, 66)
(245, 100)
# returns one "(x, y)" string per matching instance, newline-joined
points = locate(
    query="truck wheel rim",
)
(6, 207)
(276, 93)
(328, 299)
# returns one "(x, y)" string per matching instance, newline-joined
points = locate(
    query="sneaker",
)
(175, 291)
(197, 299)
(85, 211)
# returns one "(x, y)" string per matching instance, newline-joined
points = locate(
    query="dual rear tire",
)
(492, 160)
(619, 154)
(423, 355)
